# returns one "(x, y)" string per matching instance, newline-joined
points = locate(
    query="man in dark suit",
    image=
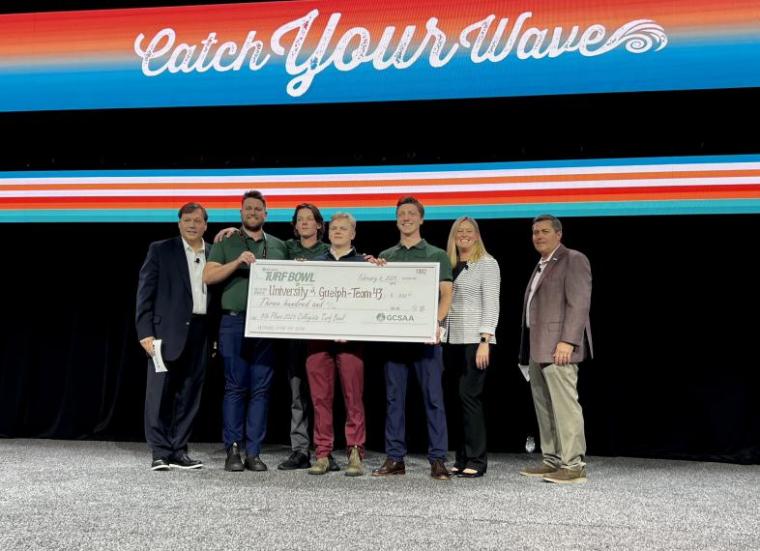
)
(555, 336)
(172, 305)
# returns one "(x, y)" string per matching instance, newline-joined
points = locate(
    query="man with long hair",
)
(308, 228)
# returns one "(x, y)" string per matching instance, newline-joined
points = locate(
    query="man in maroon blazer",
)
(556, 335)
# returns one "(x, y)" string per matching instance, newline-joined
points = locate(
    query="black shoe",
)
(297, 460)
(183, 461)
(475, 474)
(159, 465)
(456, 469)
(254, 463)
(333, 464)
(233, 462)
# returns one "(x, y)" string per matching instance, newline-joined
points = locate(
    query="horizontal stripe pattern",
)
(87, 59)
(475, 303)
(71, 34)
(497, 188)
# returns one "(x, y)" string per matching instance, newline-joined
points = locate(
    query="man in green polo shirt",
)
(308, 227)
(247, 361)
(424, 359)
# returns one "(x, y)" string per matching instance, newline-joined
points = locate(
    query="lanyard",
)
(247, 239)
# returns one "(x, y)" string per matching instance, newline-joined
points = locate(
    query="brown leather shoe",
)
(539, 471)
(567, 476)
(438, 470)
(390, 467)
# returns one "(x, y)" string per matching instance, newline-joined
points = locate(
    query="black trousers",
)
(467, 414)
(172, 398)
(300, 401)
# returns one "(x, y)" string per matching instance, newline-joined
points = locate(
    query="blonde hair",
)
(478, 250)
(347, 215)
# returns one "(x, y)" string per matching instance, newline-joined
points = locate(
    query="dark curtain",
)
(673, 315)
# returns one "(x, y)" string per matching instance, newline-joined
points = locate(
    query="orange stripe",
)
(385, 183)
(114, 30)
(385, 201)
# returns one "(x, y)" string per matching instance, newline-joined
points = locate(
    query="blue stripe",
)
(641, 208)
(387, 169)
(683, 65)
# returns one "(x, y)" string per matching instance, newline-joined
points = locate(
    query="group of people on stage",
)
(174, 305)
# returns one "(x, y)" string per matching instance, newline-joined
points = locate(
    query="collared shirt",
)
(196, 261)
(420, 252)
(534, 283)
(297, 251)
(235, 293)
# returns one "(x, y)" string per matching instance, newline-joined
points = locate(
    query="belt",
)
(233, 313)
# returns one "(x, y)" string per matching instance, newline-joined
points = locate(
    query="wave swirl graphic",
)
(639, 36)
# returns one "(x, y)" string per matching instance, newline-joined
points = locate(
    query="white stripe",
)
(475, 302)
(368, 177)
(367, 190)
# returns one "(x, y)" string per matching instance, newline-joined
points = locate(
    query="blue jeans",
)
(247, 380)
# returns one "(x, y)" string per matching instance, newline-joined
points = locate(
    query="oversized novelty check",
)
(355, 301)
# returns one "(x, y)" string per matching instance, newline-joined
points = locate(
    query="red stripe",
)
(385, 199)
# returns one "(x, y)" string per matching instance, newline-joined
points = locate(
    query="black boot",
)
(233, 462)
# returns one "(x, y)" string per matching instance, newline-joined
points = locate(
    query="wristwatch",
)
(483, 339)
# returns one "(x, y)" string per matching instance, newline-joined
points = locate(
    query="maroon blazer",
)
(560, 307)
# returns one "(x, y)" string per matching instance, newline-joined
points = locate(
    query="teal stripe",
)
(642, 208)
(635, 208)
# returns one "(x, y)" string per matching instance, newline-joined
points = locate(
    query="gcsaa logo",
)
(394, 317)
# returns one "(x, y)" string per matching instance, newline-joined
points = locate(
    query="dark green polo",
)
(235, 293)
(421, 252)
(296, 251)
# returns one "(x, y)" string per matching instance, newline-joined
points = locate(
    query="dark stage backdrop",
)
(674, 316)
(675, 303)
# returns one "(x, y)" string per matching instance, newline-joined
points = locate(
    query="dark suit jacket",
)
(560, 307)
(164, 296)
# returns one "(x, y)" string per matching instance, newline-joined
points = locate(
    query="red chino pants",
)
(323, 360)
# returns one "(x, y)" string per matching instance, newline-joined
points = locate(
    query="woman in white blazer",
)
(470, 328)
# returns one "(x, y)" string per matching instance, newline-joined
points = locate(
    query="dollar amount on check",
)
(355, 301)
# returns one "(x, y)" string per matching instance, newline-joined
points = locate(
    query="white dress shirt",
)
(196, 261)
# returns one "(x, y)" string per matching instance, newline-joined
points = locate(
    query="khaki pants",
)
(560, 417)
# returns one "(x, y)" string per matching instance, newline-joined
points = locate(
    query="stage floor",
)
(102, 495)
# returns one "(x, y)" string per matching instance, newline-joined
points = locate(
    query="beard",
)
(256, 226)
